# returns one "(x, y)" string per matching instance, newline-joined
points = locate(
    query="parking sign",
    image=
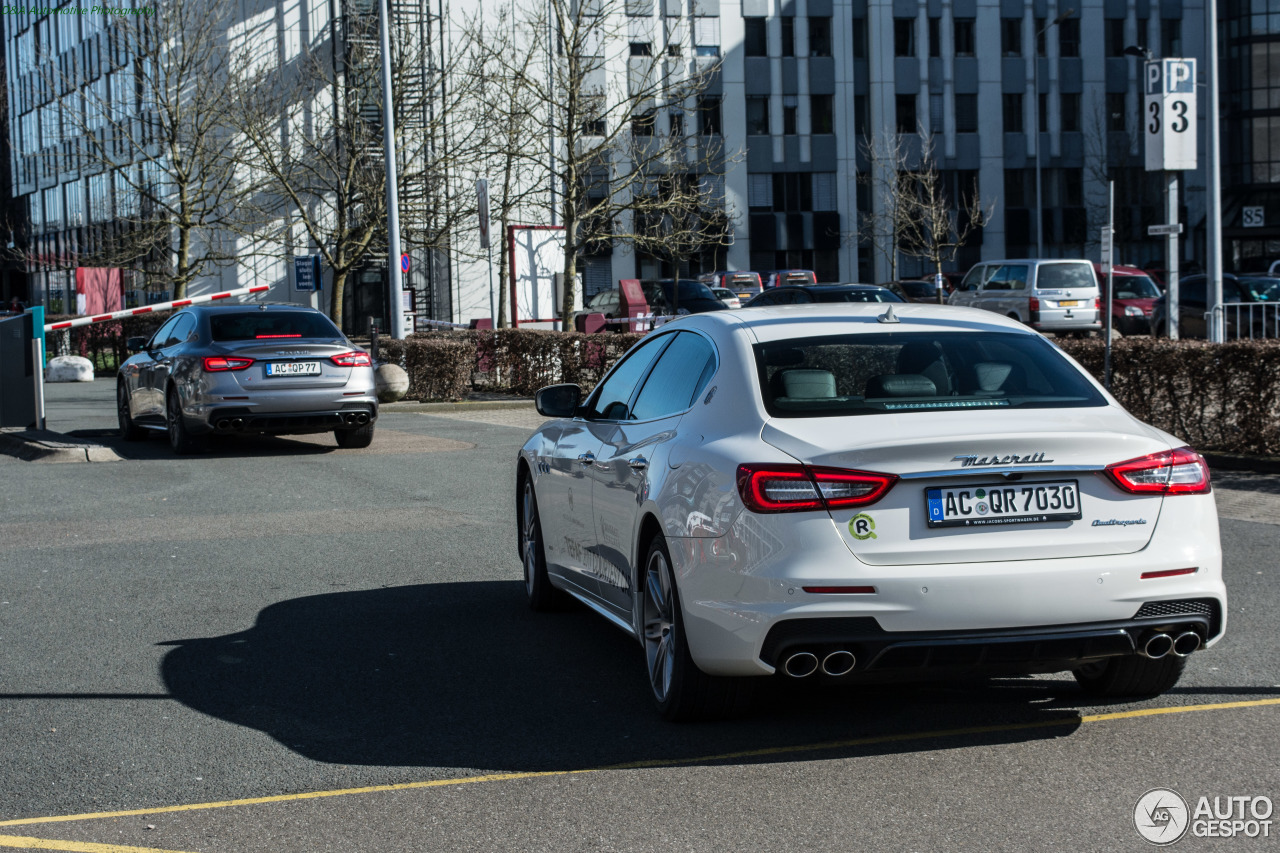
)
(1169, 114)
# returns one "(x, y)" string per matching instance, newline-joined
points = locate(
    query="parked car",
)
(1136, 294)
(1252, 307)
(744, 283)
(727, 296)
(605, 302)
(802, 295)
(818, 492)
(694, 297)
(923, 290)
(1058, 296)
(235, 369)
(777, 278)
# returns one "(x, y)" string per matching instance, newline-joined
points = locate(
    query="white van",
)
(1049, 295)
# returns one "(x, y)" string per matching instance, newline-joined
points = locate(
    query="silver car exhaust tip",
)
(838, 663)
(225, 423)
(237, 423)
(801, 664)
(1158, 646)
(1186, 643)
(362, 418)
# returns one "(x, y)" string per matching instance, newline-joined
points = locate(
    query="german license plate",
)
(1068, 303)
(1003, 503)
(293, 368)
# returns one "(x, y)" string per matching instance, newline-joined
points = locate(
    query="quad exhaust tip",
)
(1186, 643)
(801, 665)
(1158, 646)
(839, 663)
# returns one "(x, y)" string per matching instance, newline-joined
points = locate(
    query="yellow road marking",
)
(76, 846)
(661, 762)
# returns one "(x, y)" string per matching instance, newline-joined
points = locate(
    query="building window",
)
(859, 38)
(1114, 37)
(1042, 112)
(1069, 37)
(904, 36)
(642, 123)
(593, 127)
(1116, 109)
(1011, 36)
(757, 116)
(1170, 37)
(1070, 104)
(793, 192)
(788, 36)
(789, 121)
(861, 115)
(1015, 188)
(1072, 187)
(966, 113)
(935, 37)
(906, 113)
(1041, 34)
(822, 114)
(755, 37)
(760, 192)
(819, 36)
(641, 48)
(675, 122)
(709, 115)
(936, 117)
(964, 36)
(1013, 113)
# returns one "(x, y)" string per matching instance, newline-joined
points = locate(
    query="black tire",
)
(355, 438)
(537, 585)
(129, 431)
(181, 441)
(681, 690)
(1130, 676)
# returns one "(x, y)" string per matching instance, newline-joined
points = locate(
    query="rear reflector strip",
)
(1168, 573)
(840, 590)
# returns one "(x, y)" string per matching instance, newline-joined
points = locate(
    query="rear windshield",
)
(267, 325)
(1135, 287)
(1057, 276)
(689, 290)
(1262, 289)
(920, 289)
(917, 371)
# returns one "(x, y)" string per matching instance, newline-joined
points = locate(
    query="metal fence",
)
(1250, 320)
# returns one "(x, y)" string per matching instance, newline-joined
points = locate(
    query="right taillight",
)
(796, 488)
(1171, 472)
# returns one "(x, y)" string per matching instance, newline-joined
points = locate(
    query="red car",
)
(1135, 295)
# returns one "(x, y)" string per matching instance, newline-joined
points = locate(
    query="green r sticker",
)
(862, 526)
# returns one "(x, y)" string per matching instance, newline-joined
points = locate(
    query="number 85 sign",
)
(1169, 114)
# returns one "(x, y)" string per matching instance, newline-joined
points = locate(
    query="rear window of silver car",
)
(917, 371)
(267, 325)
(1062, 276)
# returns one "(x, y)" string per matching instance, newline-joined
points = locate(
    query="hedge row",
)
(101, 343)
(1223, 397)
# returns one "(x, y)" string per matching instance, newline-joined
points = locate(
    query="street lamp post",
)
(1035, 128)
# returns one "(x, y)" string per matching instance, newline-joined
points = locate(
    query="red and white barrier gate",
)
(148, 309)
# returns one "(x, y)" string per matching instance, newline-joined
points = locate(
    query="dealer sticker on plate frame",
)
(1002, 503)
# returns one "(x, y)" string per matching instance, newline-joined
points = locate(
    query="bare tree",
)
(938, 219)
(883, 225)
(1107, 158)
(616, 133)
(317, 169)
(152, 132)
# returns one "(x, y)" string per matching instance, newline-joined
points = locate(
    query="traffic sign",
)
(1164, 230)
(404, 262)
(306, 273)
(1169, 117)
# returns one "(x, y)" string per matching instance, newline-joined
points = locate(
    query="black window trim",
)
(631, 401)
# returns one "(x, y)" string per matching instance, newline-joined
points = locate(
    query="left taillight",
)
(796, 488)
(1170, 472)
(219, 363)
(352, 359)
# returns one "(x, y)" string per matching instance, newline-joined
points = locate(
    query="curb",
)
(464, 406)
(46, 446)
(1234, 462)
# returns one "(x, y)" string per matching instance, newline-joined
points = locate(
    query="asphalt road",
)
(341, 636)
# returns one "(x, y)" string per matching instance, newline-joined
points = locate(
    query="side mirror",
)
(558, 401)
(135, 344)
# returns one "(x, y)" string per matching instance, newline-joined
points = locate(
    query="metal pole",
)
(1035, 130)
(393, 195)
(1213, 182)
(37, 354)
(493, 305)
(1111, 275)
(551, 107)
(1171, 251)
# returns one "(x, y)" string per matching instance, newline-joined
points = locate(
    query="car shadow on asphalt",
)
(157, 446)
(465, 675)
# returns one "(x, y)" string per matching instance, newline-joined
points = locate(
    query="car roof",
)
(222, 308)
(781, 322)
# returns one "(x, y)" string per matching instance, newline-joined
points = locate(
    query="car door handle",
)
(638, 464)
(587, 458)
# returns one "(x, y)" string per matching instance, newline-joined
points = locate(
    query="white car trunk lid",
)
(978, 450)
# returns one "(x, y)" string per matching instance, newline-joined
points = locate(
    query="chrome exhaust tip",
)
(237, 423)
(1158, 646)
(225, 423)
(801, 664)
(362, 418)
(1186, 643)
(838, 663)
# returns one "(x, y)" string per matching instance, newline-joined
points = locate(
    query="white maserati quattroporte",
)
(868, 492)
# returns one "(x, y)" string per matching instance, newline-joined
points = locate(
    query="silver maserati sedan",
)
(236, 369)
(868, 493)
